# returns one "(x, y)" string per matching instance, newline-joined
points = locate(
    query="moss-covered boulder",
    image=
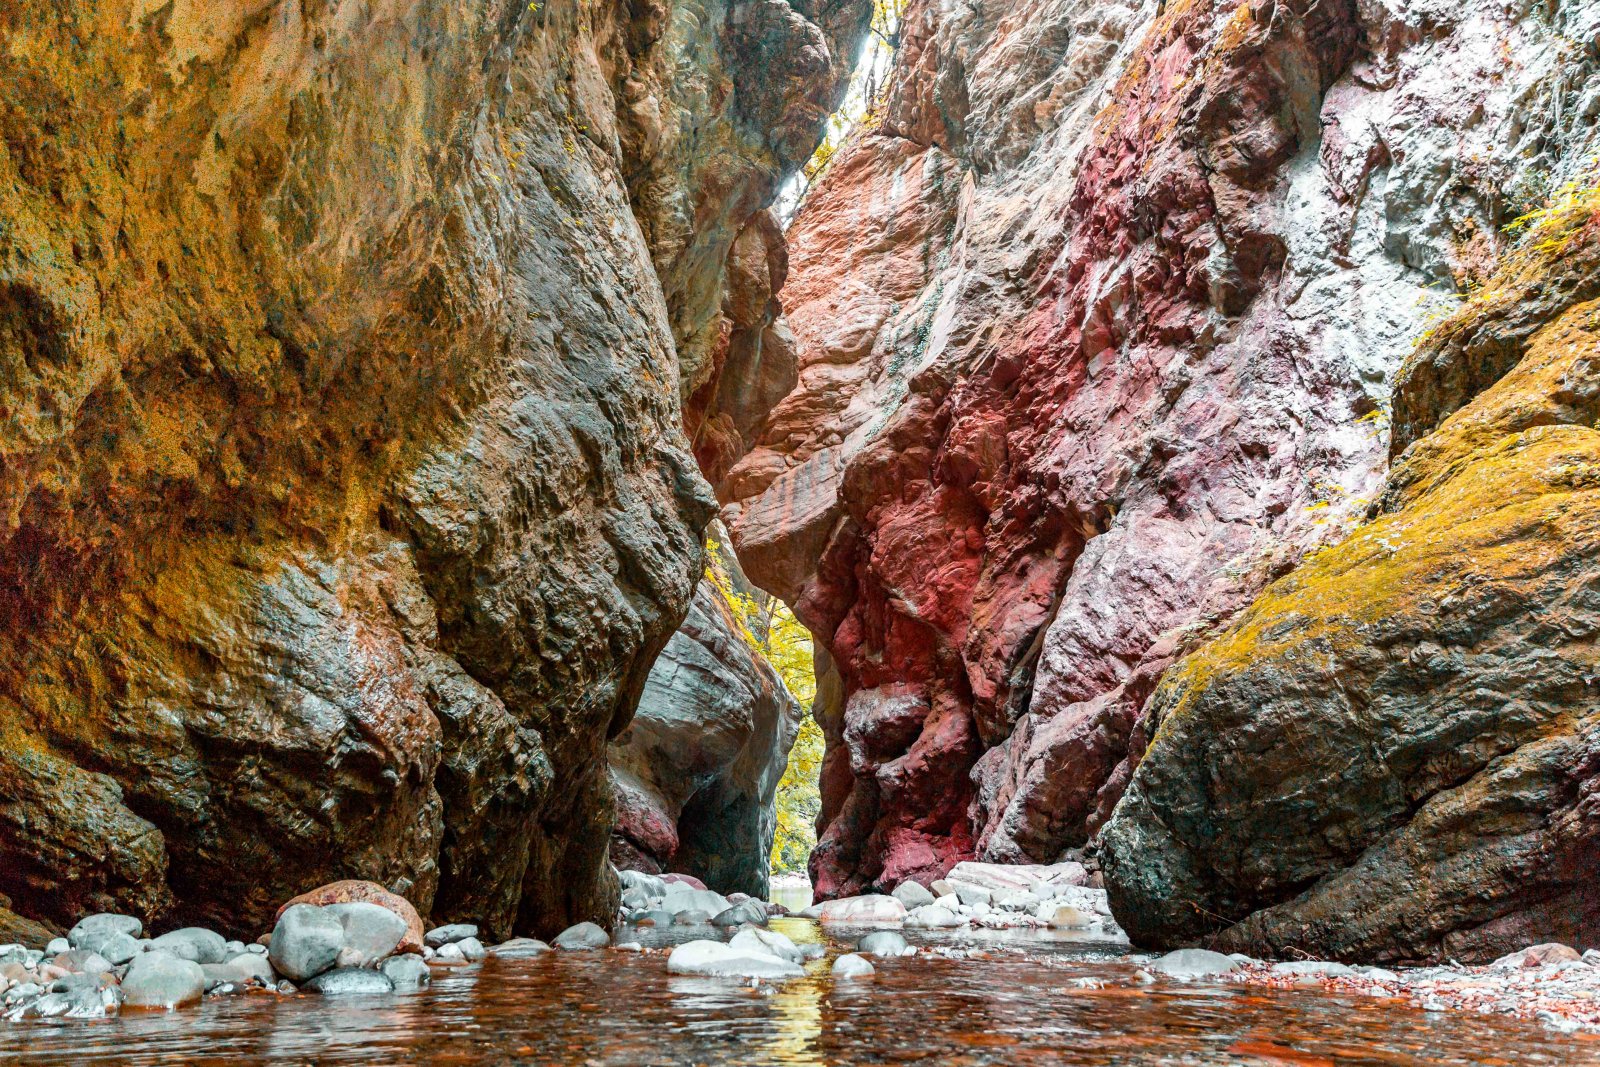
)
(1395, 753)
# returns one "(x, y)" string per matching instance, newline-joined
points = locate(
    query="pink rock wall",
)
(1095, 330)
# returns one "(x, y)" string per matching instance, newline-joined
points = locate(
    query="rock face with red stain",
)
(1096, 331)
(345, 499)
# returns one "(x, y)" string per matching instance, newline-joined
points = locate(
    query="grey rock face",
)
(697, 771)
(416, 689)
(160, 980)
(349, 981)
(904, 468)
(305, 942)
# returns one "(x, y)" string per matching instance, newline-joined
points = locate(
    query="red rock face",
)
(1095, 331)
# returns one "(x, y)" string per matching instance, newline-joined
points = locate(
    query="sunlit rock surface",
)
(344, 494)
(1097, 329)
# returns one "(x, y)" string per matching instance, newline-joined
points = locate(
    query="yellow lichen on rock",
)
(1385, 755)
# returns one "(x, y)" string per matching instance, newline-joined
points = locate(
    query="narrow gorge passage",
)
(800, 531)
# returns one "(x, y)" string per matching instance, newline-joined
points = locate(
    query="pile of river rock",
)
(357, 938)
(348, 937)
(991, 896)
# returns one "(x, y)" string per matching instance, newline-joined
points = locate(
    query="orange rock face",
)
(344, 495)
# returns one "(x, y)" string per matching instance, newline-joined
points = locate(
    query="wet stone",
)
(912, 895)
(747, 911)
(1194, 963)
(349, 981)
(305, 942)
(581, 937)
(719, 960)
(162, 981)
(193, 943)
(853, 966)
(370, 932)
(754, 939)
(82, 961)
(92, 930)
(406, 972)
(883, 943)
(449, 934)
(249, 965)
(520, 948)
(119, 949)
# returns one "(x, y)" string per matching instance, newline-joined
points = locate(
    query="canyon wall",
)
(1394, 754)
(1099, 320)
(696, 773)
(344, 358)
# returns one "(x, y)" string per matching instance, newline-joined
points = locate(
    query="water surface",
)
(1037, 999)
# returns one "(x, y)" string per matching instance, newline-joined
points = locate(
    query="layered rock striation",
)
(346, 495)
(1098, 322)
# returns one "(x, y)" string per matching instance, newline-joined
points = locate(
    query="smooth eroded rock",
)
(193, 943)
(853, 966)
(871, 910)
(883, 943)
(305, 942)
(355, 891)
(371, 933)
(92, 931)
(1193, 963)
(406, 971)
(912, 894)
(158, 980)
(349, 981)
(717, 959)
(580, 937)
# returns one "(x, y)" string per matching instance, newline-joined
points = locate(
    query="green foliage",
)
(771, 629)
(798, 800)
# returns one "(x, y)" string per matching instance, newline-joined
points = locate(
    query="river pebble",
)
(159, 980)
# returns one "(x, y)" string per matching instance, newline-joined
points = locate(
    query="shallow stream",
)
(1037, 998)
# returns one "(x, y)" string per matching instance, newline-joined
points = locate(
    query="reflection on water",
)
(1035, 1000)
(793, 897)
